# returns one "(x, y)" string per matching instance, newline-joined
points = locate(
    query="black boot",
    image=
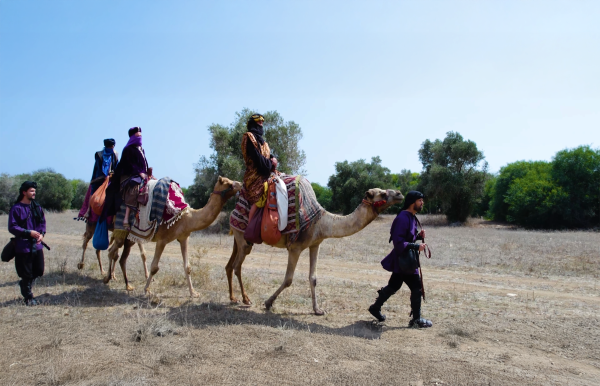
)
(418, 322)
(375, 308)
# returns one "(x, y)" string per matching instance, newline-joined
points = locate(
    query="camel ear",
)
(369, 194)
(220, 179)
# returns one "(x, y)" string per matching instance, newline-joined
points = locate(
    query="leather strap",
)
(222, 192)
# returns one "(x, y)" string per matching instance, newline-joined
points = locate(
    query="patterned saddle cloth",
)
(303, 208)
(166, 205)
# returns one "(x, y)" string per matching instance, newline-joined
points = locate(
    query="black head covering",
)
(134, 130)
(255, 128)
(36, 211)
(411, 197)
(109, 142)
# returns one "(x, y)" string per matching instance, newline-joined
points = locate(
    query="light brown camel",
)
(90, 228)
(193, 220)
(328, 226)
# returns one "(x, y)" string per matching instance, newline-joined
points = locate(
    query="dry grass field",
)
(509, 307)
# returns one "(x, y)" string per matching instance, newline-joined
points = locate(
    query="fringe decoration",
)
(173, 220)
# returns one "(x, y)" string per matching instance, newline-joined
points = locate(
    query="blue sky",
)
(363, 79)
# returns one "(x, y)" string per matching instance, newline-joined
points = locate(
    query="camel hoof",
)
(113, 277)
(233, 300)
(319, 312)
(129, 287)
(268, 305)
(80, 266)
(247, 302)
(106, 279)
(195, 294)
(102, 272)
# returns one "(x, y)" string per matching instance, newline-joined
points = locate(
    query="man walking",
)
(400, 262)
(27, 222)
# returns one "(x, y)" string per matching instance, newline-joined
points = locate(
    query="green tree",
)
(352, 179)
(577, 172)
(406, 180)
(8, 191)
(54, 191)
(324, 195)
(454, 174)
(227, 160)
(80, 189)
(535, 200)
(499, 207)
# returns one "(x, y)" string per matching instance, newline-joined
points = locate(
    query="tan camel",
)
(328, 226)
(90, 228)
(193, 220)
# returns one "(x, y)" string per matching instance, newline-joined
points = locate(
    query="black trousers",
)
(396, 280)
(29, 267)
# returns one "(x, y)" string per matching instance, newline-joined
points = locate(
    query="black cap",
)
(109, 142)
(134, 130)
(411, 197)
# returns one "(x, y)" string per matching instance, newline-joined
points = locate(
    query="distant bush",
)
(323, 194)
(54, 191)
(8, 191)
(80, 189)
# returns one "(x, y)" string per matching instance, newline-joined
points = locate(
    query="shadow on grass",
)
(216, 314)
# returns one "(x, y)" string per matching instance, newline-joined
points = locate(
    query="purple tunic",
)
(403, 232)
(133, 162)
(19, 215)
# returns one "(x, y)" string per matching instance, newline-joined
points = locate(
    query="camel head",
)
(381, 199)
(227, 188)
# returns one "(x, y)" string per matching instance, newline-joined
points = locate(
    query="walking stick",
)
(427, 252)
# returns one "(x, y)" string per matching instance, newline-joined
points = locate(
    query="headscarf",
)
(255, 128)
(109, 142)
(36, 210)
(107, 155)
(134, 130)
(411, 197)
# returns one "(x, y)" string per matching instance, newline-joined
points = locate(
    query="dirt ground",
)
(508, 306)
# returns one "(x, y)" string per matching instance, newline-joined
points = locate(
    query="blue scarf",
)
(107, 155)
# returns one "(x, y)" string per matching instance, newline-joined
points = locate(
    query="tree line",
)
(54, 192)
(562, 193)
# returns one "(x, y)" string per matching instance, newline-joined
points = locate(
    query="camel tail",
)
(230, 231)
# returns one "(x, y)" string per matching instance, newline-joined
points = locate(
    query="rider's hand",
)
(422, 234)
(274, 163)
(144, 176)
(422, 247)
(39, 239)
(35, 234)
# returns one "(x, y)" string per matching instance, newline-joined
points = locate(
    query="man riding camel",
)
(131, 171)
(258, 159)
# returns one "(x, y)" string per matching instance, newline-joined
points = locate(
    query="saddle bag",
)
(408, 261)
(269, 229)
(9, 252)
(100, 240)
(252, 232)
(142, 197)
(99, 197)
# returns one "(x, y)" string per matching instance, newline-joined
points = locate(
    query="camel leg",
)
(123, 263)
(113, 256)
(87, 236)
(98, 255)
(143, 254)
(312, 277)
(293, 256)
(160, 247)
(229, 271)
(186, 267)
(237, 268)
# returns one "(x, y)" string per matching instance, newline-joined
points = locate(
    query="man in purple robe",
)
(27, 222)
(131, 171)
(404, 235)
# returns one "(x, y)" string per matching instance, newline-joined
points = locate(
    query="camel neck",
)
(342, 226)
(203, 217)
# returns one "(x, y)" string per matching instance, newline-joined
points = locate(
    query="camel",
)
(193, 220)
(90, 228)
(328, 226)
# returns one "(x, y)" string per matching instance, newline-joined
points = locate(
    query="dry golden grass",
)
(509, 307)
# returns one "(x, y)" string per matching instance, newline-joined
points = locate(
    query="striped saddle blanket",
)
(166, 205)
(303, 208)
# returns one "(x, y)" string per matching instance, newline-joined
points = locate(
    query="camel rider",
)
(131, 171)
(404, 234)
(258, 159)
(106, 163)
